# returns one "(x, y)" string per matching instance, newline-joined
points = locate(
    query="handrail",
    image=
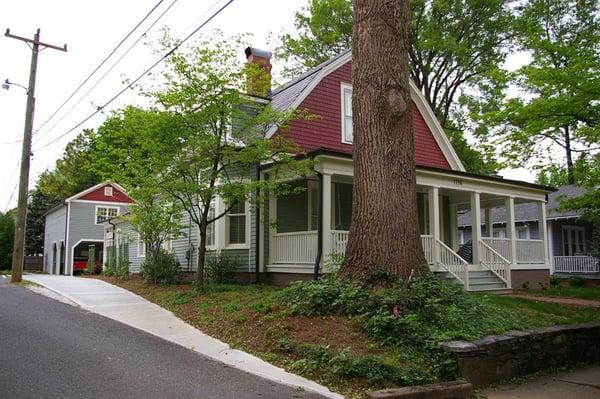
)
(488, 257)
(451, 262)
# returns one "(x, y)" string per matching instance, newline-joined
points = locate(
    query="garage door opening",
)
(88, 251)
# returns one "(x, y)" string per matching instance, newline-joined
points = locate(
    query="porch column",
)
(542, 230)
(453, 226)
(272, 228)
(511, 231)
(433, 194)
(489, 224)
(326, 202)
(475, 225)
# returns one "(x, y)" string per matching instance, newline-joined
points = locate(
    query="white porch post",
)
(326, 222)
(511, 230)
(272, 228)
(542, 229)
(434, 220)
(489, 224)
(475, 225)
(453, 226)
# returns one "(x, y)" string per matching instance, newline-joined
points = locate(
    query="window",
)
(523, 232)
(461, 237)
(236, 224)
(573, 239)
(210, 229)
(108, 191)
(105, 212)
(141, 247)
(346, 114)
(313, 205)
(499, 232)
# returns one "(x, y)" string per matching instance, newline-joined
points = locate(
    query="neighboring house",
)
(299, 237)
(72, 226)
(569, 236)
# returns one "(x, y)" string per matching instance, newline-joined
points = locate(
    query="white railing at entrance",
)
(295, 248)
(339, 240)
(530, 251)
(576, 264)
(449, 261)
(495, 262)
(428, 248)
(500, 245)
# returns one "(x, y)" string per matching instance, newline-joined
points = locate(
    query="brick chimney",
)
(259, 84)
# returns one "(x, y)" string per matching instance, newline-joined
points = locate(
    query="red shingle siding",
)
(325, 132)
(98, 195)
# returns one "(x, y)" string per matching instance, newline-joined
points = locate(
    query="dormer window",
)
(108, 191)
(346, 113)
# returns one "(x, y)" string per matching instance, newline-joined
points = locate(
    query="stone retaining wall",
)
(500, 357)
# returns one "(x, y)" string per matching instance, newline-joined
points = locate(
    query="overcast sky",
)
(91, 29)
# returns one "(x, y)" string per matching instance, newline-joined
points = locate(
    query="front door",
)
(62, 258)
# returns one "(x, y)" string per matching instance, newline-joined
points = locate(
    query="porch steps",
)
(479, 280)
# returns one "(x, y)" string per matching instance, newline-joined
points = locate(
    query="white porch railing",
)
(339, 240)
(449, 261)
(530, 251)
(427, 242)
(500, 245)
(576, 264)
(295, 248)
(495, 262)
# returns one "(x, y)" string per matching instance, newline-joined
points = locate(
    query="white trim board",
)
(97, 186)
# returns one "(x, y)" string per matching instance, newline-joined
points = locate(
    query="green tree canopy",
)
(7, 237)
(557, 108)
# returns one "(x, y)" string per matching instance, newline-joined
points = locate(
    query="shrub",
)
(220, 268)
(554, 282)
(160, 269)
(576, 281)
(110, 266)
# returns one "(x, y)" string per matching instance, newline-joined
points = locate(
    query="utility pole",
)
(19, 245)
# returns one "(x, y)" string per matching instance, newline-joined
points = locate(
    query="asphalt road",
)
(52, 350)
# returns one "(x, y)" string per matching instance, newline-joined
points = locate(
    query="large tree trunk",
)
(385, 231)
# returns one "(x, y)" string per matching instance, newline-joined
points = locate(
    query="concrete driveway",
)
(113, 302)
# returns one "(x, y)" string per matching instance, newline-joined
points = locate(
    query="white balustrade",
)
(500, 245)
(427, 242)
(530, 251)
(495, 262)
(295, 248)
(449, 261)
(576, 264)
(339, 240)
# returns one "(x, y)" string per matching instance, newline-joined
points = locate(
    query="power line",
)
(99, 65)
(100, 108)
(106, 73)
(14, 190)
(12, 142)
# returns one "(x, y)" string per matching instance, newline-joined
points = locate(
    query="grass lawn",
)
(334, 349)
(591, 293)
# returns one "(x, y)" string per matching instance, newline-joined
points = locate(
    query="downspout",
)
(320, 227)
(257, 232)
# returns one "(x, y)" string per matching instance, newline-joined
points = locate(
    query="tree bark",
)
(384, 233)
(570, 172)
(201, 254)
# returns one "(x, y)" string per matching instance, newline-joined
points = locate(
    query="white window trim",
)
(245, 245)
(343, 88)
(566, 238)
(213, 225)
(108, 191)
(107, 207)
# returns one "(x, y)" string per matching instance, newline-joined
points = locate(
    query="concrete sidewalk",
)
(121, 305)
(581, 384)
